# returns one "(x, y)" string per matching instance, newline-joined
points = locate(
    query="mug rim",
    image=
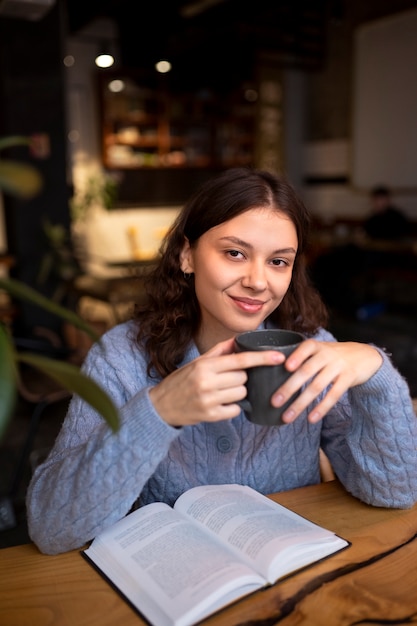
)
(298, 337)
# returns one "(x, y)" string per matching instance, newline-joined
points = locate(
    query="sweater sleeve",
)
(370, 438)
(93, 476)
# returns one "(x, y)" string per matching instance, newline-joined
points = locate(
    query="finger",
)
(242, 360)
(316, 375)
(334, 387)
(317, 367)
(333, 395)
(301, 354)
(222, 412)
(295, 382)
(256, 358)
(216, 381)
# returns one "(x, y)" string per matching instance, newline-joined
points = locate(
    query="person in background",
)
(232, 261)
(345, 275)
(386, 221)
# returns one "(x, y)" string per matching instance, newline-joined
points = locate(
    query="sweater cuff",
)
(145, 423)
(385, 379)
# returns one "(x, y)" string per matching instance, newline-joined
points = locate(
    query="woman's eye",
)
(234, 253)
(279, 262)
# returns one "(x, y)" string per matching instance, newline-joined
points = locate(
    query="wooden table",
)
(374, 581)
(134, 267)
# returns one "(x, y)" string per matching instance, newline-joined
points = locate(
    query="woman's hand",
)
(340, 365)
(208, 388)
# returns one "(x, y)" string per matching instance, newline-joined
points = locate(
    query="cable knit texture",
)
(93, 477)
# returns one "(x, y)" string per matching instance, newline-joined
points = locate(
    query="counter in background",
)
(120, 235)
(115, 249)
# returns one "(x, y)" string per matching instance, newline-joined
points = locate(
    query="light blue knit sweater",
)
(93, 477)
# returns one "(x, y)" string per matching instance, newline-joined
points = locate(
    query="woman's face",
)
(242, 270)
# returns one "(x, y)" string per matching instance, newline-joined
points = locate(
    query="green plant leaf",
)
(8, 379)
(19, 179)
(24, 292)
(70, 377)
(14, 140)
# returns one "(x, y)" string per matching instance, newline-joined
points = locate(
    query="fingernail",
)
(278, 400)
(288, 416)
(315, 416)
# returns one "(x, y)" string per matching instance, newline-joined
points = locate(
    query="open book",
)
(219, 543)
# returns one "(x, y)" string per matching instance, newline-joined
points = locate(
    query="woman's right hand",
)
(209, 388)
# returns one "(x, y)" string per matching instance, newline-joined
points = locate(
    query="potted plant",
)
(99, 190)
(24, 181)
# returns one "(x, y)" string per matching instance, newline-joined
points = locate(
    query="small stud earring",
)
(187, 275)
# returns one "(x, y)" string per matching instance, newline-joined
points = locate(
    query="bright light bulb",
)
(104, 60)
(163, 67)
(69, 60)
(116, 85)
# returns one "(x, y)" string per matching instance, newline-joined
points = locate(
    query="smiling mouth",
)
(248, 304)
(251, 301)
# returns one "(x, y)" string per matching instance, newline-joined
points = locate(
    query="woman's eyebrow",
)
(241, 242)
(236, 240)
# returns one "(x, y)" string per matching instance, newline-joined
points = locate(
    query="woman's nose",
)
(255, 276)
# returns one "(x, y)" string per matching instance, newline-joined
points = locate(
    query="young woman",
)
(233, 261)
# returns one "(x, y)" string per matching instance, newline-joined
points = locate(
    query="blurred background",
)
(323, 91)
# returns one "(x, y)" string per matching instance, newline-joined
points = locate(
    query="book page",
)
(170, 568)
(268, 536)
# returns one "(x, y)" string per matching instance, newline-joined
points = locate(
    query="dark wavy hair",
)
(171, 317)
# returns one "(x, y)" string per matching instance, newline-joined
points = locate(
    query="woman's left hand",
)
(337, 365)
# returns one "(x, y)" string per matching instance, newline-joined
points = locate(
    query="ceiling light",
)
(104, 59)
(163, 67)
(116, 85)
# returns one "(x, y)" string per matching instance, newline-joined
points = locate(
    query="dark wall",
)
(32, 103)
(159, 187)
(329, 111)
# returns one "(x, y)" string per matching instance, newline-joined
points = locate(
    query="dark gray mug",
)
(264, 380)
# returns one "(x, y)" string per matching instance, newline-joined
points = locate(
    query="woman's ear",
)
(186, 258)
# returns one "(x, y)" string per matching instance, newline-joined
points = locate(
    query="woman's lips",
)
(248, 304)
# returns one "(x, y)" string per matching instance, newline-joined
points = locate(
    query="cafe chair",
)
(326, 470)
(120, 294)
